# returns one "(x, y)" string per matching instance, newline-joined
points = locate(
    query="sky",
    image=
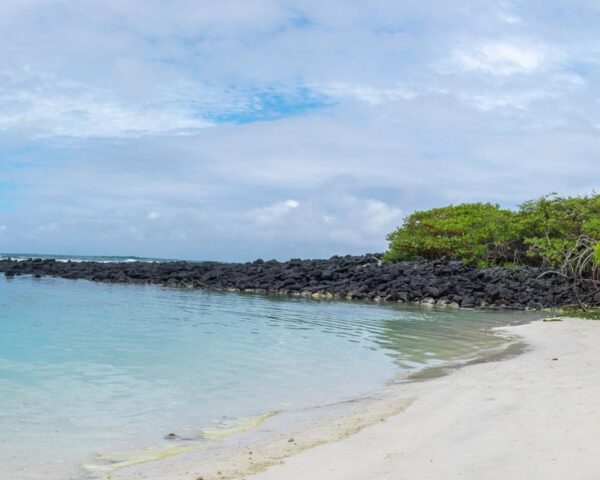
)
(241, 129)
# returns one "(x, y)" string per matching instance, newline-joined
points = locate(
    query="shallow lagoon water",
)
(88, 369)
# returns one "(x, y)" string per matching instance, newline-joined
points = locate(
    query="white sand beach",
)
(532, 416)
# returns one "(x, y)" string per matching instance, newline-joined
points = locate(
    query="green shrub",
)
(469, 232)
(551, 226)
(550, 231)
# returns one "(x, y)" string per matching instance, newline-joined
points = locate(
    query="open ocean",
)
(91, 372)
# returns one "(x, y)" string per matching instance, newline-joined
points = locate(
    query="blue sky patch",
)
(6, 202)
(272, 105)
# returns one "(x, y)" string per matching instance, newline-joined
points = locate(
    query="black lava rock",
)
(357, 277)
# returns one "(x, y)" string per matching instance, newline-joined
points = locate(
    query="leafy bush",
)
(552, 231)
(551, 227)
(471, 232)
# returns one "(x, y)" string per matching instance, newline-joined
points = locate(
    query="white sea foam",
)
(81, 258)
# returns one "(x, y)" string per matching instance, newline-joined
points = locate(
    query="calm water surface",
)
(88, 369)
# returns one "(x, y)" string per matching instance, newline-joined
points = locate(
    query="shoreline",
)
(527, 416)
(469, 339)
(287, 433)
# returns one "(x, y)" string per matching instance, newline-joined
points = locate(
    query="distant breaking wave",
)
(83, 258)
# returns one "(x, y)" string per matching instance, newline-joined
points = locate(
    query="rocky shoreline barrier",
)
(363, 277)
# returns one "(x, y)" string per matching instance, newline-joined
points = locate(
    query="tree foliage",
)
(471, 232)
(553, 228)
(551, 231)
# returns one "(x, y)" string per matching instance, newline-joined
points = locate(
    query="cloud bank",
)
(262, 128)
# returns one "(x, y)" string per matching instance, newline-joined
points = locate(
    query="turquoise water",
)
(89, 369)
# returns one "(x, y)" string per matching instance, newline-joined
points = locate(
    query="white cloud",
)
(503, 58)
(104, 108)
(272, 213)
(330, 216)
(509, 18)
(369, 94)
(507, 12)
(49, 228)
(380, 217)
(292, 204)
(47, 106)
